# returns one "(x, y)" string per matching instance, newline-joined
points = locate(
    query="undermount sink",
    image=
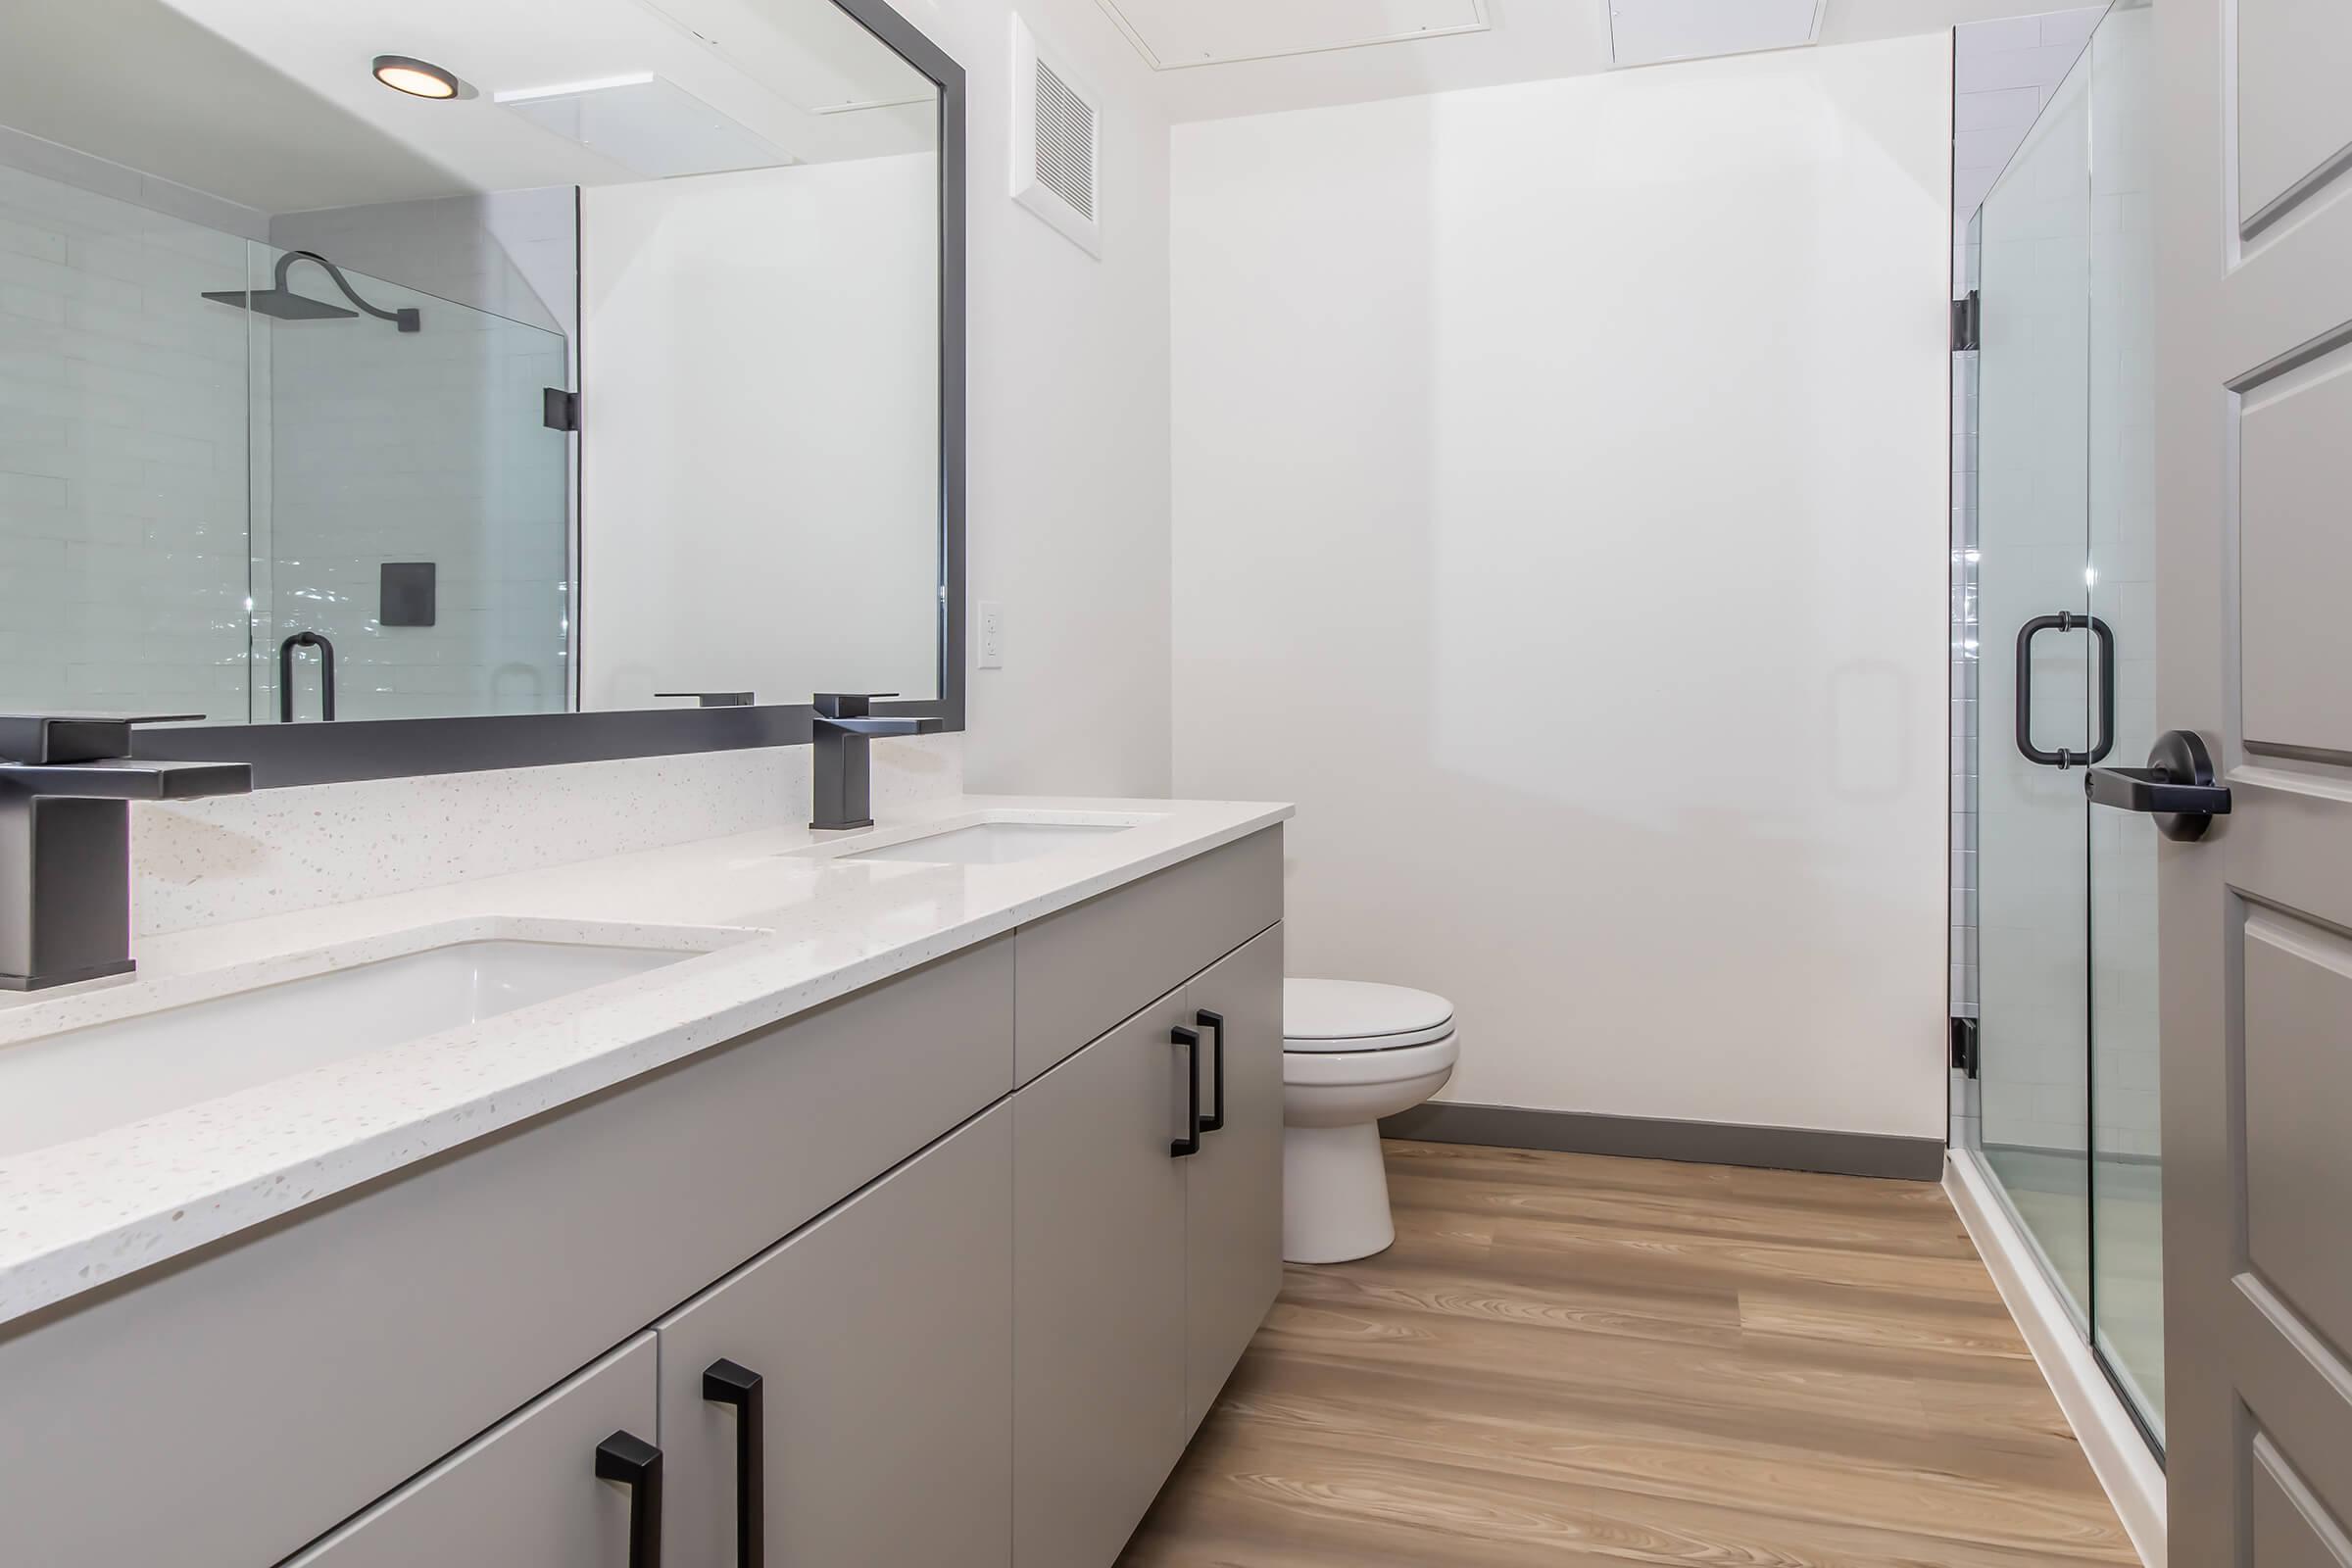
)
(991, 842)
(65, 1086)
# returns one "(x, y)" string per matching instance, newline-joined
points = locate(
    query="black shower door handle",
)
(286, 675)
(2064, 621)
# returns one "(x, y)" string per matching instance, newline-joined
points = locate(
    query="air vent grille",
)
(1057, 149)
(1066, 143)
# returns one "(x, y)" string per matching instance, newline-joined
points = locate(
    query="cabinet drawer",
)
(882, 1341)
(223, 1409)
(1084, 968)
(525, 1494)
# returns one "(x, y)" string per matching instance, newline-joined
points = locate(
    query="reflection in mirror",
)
(614, 373)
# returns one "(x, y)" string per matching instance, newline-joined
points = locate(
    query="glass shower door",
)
(2066, 1106)
(413, 507)
(2034, 366)
(2127, 1174)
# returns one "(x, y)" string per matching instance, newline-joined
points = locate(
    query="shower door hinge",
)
(560, 409)
(1966, 1051)
(1967, 322)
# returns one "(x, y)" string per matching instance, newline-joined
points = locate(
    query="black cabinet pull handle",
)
(726, 1382)
(2064, 621)
(2176, 787)
(636, 1464)
(1191, 1042)
(1214, 1121)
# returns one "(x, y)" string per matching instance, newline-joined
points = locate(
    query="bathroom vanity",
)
(918, 1220)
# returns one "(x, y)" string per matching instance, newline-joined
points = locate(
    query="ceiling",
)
(224, 96)
(1652, 32)
(1178, 34)
(1269, 55)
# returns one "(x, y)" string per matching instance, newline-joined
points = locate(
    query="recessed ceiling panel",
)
(647, 123)
(1174, 33)
(814, 53)
(1648, 32)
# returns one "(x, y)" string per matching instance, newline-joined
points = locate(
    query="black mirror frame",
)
(348, 750)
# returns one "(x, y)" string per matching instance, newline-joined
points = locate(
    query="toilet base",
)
(1335, 1195)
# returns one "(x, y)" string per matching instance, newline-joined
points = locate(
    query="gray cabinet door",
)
(523, 1494)
(1232, 1201)
(1098, 1291)
(882, 1337)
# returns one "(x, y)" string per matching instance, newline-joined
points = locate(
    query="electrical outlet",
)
(991, 634)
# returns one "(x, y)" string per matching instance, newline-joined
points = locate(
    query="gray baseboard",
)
(1706, 1143)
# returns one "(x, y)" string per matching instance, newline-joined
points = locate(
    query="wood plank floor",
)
(1567, 1359)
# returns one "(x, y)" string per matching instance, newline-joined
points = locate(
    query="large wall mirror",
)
(414, 385)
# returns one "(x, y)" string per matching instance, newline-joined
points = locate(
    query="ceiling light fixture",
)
(416, 78)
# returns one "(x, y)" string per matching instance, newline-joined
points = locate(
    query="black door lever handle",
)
(2176, 787)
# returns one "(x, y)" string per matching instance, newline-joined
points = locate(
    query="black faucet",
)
(844, 771)
(67, 781)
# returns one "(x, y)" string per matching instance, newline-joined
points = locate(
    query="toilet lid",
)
(1358, 1015)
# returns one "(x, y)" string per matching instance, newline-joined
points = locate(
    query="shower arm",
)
(407, 317)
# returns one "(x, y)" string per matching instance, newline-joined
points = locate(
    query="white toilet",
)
(1352, 1053)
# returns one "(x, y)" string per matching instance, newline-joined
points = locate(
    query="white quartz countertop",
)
(785, 933)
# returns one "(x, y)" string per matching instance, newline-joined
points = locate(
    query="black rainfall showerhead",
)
(285, 305)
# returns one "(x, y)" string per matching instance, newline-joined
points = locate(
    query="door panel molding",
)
(2293, 131)
(2254, 298)
(2295, 1389)
(2287, 1526)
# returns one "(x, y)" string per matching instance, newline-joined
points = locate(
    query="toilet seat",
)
(1357, 1016)
(1371, 1067)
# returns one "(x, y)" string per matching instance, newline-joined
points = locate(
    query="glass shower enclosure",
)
(410, 505)
(2054, 568)
(229, 461)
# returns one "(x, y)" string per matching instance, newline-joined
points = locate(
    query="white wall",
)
(759, 430)
(1069, 391)
(1560, 519)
